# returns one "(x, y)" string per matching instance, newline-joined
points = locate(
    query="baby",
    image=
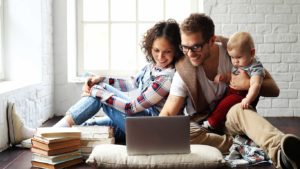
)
(241, 49)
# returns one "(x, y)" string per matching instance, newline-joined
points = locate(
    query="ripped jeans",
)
(82, 112)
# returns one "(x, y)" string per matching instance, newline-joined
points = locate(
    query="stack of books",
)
(92, 136)
(56, 148)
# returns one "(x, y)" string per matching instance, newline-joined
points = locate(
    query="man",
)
(194, 81)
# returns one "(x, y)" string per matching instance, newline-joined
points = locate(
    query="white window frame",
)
(74, 30)
(1, 42)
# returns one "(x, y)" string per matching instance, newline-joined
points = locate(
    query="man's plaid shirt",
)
(152, 82)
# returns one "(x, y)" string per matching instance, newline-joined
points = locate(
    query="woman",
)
(161, 47)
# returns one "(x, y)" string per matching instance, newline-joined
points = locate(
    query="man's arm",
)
(172, 106)
(269, 88)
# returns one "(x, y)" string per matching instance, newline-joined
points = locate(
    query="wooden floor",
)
(18, 158)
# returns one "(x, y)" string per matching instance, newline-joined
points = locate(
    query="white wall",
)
(275, 25)
(66, 94)
(22, 39)
(29, 59)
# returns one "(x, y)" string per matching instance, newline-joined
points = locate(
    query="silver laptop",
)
(146, 135)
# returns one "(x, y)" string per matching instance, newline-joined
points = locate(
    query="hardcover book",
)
(55, 151)
(48, 140)
(58, 165)
(93, 143)
(95, 132)
(56, 158)
(38, 143)
(58, 132)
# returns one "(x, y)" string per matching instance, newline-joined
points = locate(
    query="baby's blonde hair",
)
(241, 41)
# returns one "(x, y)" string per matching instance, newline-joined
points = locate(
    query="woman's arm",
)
(125, 85)
(156, 91)
(89, 83)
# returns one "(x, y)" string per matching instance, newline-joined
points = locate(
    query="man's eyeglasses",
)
(194, 48)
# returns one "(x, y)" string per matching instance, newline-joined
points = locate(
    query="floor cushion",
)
(115, 156)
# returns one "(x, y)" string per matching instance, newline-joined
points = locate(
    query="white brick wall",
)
(275, 26)
(34, 103)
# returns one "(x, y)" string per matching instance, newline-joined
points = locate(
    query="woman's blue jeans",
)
(87, 107)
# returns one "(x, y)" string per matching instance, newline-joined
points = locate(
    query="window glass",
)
(95, 10)
(110, 32)
(123, 10)
(141, 59)
(123, 45)
(150, 10)
(95, 51)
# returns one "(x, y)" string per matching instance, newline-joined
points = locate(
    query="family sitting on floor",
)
(218, 84)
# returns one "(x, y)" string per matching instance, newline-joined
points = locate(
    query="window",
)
(1, 33)
(109, 32)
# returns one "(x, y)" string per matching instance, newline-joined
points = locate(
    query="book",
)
(58, 132)
(93, 143)
(55, 151)
(38, 143)
(86, 150)
(56, 158)
(48, 140)
(95, 132)
(58, 165)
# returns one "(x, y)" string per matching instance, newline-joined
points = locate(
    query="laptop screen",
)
(147, 135)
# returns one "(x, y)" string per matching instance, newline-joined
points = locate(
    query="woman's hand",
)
(89, 83)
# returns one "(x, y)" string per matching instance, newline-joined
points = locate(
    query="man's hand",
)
(222, 78)
(240, 81)
(223, 40)
(218, 78)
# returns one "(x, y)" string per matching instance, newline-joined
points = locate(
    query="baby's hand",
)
(245, 103)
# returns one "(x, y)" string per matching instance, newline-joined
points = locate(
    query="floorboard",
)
(18, 158)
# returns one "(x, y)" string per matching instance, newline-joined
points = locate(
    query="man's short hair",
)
(199, 23)
(241, 41)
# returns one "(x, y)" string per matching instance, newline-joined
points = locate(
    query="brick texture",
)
(34, 103)
(275, 26)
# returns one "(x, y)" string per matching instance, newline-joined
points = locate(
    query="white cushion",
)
(115, 156)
